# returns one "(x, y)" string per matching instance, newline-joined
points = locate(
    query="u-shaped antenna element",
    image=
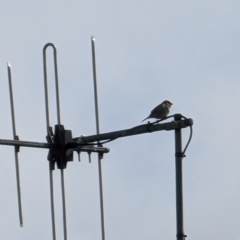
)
(51, 165)
(15, 137)
(56, 82)
(98, 132)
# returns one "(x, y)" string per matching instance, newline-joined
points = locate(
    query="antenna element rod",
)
(64, 206)
(52, 201)
(16, 149)
(98, 131)
(51, 165)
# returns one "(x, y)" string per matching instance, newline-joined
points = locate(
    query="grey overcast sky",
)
(147, 51)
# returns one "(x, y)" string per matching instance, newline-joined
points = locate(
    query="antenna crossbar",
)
(145, 128)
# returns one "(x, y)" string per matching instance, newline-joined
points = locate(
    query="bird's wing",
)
(156, 109)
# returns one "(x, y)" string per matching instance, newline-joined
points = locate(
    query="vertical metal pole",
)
(52, 200)
(59, 123)
(15, 137)
(95, 84)
(98, 131)
(179, 184)
(48, 125)
(56, 84)
(64, 206)
(46, 86)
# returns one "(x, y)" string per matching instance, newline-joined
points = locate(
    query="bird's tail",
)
(144, 119)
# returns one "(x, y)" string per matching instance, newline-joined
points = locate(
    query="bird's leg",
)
(149, 125)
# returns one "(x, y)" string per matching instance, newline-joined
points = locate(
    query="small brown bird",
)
(161, 111)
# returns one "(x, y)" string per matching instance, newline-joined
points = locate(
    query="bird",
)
(160, 111)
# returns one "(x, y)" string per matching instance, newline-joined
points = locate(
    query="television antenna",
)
(61, 146)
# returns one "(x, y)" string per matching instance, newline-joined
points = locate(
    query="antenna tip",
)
(93, 38)
(8, 63)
